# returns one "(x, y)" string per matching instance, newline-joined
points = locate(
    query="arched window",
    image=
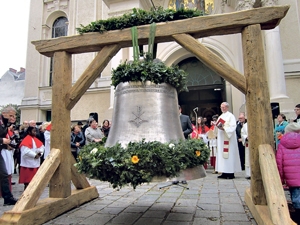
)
(59, 28)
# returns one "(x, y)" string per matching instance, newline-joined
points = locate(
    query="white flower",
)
(94, 150)
(171, 146)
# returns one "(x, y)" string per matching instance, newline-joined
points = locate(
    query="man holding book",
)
(228, 160)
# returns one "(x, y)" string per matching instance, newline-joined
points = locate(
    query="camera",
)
(15, 140)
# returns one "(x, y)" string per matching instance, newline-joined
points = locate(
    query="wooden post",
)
(260, 125)
(274, 192)
(60, 184)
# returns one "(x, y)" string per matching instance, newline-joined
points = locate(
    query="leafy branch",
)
(139, 17)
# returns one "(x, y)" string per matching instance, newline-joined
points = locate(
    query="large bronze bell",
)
(148, 111)
(144, 110)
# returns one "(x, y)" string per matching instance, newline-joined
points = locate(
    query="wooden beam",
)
(260, 124)
(211, 60)
(49, 208)
(41, 179)
(261, 213)
(60, 184)
(198, 27)
(79, 180)
(274, 192)
(90, 74)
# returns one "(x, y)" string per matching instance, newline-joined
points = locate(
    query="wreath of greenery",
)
(150, 70)
(140, 161)
(139, 17)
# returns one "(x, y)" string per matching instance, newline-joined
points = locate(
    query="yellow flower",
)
(198, 153)
(135, 159)
(80, 158)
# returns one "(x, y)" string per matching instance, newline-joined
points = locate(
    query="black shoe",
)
(13, 183)
(227, 176)
(10, 201)
(222, 177)
(183, 182)
(175, 182)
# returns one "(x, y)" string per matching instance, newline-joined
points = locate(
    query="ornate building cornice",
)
(269, 2)
(244, 5)
(53, 5)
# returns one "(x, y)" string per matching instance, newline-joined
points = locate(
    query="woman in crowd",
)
(31, 151)
(279, 128)
(93, 132)
(288, 163)
(105, 128)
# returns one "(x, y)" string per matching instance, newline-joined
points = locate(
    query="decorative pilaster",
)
(274, 65)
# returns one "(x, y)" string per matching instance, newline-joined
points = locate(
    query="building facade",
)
(55, 18)
(12, 85)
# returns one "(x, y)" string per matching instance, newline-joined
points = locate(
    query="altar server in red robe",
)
(31, 151)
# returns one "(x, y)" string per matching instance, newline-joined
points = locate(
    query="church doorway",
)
(206, 90)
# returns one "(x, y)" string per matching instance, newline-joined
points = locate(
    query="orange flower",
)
(198, 153)
(135, 159)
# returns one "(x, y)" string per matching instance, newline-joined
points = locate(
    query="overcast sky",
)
(14, 16)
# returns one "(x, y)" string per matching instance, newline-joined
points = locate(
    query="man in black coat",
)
(239, 125)
(297, 111)
(186, 124)
(7, 117)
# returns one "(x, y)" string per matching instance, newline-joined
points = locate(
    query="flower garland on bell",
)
(140, 161)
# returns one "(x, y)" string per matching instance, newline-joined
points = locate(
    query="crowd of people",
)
(25, 147)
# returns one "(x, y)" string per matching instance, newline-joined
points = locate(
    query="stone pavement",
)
(208, 201)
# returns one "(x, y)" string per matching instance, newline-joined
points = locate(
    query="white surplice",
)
(230, 164)
(244, 136)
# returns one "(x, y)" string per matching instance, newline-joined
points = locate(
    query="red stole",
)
(226, 147)
(27, 141)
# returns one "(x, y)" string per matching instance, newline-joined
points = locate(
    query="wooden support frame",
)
(276, 212)
(253, 84)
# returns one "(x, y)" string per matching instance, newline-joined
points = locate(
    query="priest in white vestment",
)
(228, 159)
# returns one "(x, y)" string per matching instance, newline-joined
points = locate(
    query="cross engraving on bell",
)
(137, 121)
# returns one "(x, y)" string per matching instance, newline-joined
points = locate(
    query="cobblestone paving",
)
(208, 201)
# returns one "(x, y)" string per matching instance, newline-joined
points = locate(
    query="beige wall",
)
(97, 101)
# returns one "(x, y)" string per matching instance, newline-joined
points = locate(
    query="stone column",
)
(273, 56)
(274, 65)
